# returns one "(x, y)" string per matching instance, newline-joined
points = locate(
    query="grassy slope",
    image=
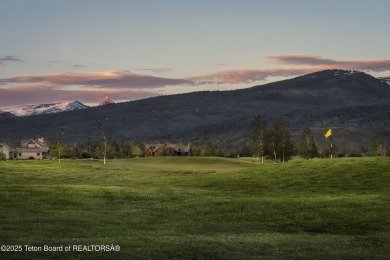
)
(199, 207)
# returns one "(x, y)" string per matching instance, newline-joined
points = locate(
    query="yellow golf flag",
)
(329, 133)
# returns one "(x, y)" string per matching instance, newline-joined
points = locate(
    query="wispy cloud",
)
(156, 70)
(301, 60)
(222, 64)
(9, 58)
(376, 65)
(78, 66)
(111, 79)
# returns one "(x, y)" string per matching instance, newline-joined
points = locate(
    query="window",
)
(38, 154)
(20, 154)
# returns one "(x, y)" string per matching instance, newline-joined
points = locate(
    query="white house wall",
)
(27, 155)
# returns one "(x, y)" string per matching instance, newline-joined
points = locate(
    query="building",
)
(32, 149)
(168, 150)
(6, 150)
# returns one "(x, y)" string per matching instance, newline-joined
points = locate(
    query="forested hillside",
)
(356, 105)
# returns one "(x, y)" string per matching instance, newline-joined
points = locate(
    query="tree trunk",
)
(273, 143)
(105, 150)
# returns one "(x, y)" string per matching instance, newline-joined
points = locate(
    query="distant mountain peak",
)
(75, 105)
(29, 110)
(106, 101)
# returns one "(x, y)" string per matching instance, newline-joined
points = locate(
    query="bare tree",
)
(58, 144)
(102, 131)
(258, 129)
(278, 142)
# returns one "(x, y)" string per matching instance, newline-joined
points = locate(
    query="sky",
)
(67, 50)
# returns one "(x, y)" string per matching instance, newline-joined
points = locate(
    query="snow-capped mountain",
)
(29, 110)
(106, 101)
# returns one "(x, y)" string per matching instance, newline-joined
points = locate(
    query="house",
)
(168, 150)
(5, 149)
(32, 149)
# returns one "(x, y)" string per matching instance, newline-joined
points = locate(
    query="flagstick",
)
(331, 147)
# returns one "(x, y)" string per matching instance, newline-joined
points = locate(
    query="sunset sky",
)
(66, 50)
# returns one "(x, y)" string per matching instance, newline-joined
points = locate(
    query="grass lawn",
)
(212, 208)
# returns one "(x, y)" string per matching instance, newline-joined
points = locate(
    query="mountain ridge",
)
(355, 104)
(31, 110)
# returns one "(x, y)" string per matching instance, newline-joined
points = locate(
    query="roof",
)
(5, 146)
(149, 147)
(25, 142)
(176, 147)
(158, 147)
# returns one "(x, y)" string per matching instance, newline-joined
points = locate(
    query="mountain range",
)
(31, 110)
(354, 104)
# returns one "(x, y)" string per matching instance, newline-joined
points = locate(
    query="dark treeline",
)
(129, 149)
(265, 142)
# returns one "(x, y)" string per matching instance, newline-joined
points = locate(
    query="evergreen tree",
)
(307, 148)
(210, 148)
(246, 151)
(126, 149)
(114, 150)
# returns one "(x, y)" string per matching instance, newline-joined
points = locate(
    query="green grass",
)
(198, 208)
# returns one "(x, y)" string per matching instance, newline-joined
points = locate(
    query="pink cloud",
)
(110, 79)
(376, 65)
(85, 87)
